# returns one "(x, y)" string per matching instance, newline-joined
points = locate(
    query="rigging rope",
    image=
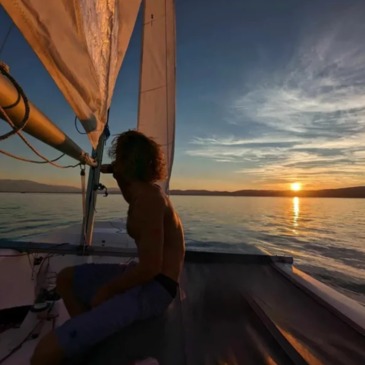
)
(50, 283)
(83, 190)
(6, 37)
(17, 130)
(46, 160)
(9, 154)
(26, 338)
(76, 127)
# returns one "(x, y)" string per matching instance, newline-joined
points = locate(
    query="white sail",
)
(156, 114)
(82, 44)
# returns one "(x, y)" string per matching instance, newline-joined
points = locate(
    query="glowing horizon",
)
(177, 185)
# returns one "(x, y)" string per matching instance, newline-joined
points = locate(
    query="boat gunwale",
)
(191, 255)
(342, 306)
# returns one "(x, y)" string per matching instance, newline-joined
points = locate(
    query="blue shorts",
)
(80, 333)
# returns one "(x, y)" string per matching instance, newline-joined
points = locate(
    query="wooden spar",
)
(38, 125)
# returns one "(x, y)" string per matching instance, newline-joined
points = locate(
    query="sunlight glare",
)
(296, 186)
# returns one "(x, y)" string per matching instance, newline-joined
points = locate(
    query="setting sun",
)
(296, 186)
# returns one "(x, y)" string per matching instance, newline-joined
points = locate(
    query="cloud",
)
(230, 149)
(311, 110)
(321, 91)
(248, 142)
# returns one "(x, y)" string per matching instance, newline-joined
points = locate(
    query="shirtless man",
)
(104, 298)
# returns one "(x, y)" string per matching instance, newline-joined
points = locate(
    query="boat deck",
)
(231, 309)
(238, 314)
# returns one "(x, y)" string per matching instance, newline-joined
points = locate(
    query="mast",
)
(92, 191)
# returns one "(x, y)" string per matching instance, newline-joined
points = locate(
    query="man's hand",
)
(101, 296)
(106, 169)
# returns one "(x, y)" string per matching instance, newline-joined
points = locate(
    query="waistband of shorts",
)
(169, 284)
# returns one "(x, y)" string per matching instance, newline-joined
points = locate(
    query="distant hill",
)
(353, 192)
(27, 186)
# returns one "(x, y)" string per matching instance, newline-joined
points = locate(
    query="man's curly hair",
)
(138, 157)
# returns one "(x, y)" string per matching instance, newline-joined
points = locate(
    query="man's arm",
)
(106, 168)
(148, 217)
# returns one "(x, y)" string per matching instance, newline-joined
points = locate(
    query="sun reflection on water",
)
(296, 211)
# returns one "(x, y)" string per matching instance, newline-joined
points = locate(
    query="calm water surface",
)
(326, 237)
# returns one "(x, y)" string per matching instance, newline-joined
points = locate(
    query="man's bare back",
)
(150, 200)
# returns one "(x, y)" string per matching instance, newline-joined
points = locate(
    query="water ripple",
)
(325, 236)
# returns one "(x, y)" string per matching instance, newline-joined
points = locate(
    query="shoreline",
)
(223, 194)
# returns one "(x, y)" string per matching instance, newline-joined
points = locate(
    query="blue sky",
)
(268, 93)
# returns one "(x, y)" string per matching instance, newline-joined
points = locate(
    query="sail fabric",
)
(82, 44)
(156, 114)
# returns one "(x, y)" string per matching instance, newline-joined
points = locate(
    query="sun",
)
(296, 186)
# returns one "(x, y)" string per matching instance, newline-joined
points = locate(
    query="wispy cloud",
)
(248, 142)
(321, 91)
(313, 110)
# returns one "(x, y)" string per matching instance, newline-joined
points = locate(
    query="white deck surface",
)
(18, 286)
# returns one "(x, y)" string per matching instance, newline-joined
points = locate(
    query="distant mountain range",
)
(353, 192)
(27, 186)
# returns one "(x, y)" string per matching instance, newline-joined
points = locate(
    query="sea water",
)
(325, 236)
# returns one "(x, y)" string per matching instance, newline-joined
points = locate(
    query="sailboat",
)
(232, 308)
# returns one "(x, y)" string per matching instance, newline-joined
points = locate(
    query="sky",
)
(269, 92)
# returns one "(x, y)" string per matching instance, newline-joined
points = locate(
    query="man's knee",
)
(64, 280)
